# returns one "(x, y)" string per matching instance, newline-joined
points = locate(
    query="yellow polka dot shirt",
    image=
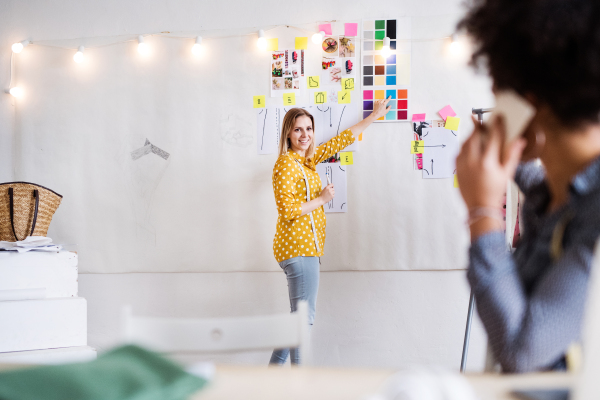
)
(294, 235)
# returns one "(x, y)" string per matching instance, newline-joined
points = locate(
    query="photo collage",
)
(287, 71)
(338, 59)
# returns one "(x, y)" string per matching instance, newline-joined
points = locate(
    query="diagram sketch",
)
(268, 131)
(439, 153)
(337, 174)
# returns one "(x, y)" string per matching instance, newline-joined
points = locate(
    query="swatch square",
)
(403, 114)
(367, 80)
(368, 45)
(391, 115)
(367, 70)
(379, 94)
(391, 28)
(402, 104)
(389, 93)
(380, 24)
(390, 80)
(379, 80)
(368, 35)
(379, 70)
(390, 70)
(367, 60)
(391, 59)
(368, 94)
(366, 114)
(392, 44)
(392, 104)
(378, 44)
(367, 105)
(379, 35)
(403, 94)
(369, 25)
(379, 60)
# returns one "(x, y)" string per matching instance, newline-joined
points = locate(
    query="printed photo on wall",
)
(332, 71)
(348, 66)
(330, 46)
(418, 128)
(287, 71)
(347, 46)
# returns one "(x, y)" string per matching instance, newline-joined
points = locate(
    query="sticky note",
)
(348, 83)
(325, 28)
(447, 112)
(418, 117)
(417, 146)
(344, 97)
(313, 82)
(350, 29)
(360, 137)
(259, 101)
(455, 181)
(273, 44)
(289, 99)
(346, 158)
(452, 123)
(320, 97)
(301, 43)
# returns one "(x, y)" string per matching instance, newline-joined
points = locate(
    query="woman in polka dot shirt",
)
(300, 236)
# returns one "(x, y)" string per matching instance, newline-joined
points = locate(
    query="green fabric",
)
(125, 373)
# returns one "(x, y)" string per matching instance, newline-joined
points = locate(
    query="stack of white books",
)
(43, 321)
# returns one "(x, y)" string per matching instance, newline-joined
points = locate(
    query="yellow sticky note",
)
(273, 44)
(289, 99)
(455, 181)
(346, 158)
(344, 97)
(360, 137)
(301, 43)
(417, 146)
(313, 82)
(259, 101)
(320, 97)
(348, 83)
(452, 123)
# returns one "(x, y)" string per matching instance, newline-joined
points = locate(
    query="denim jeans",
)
(302, 274)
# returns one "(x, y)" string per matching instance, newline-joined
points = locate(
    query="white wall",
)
(364, 318)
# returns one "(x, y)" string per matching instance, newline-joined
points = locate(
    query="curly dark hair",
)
(547, 48)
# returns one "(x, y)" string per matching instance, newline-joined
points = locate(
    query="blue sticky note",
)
(390, 80)
(389, 93)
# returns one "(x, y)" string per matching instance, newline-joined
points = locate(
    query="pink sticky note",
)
(447, 112)
(325, 28)
(418, 117)
(350, 29)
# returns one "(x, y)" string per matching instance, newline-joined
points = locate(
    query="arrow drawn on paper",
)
(147, 149)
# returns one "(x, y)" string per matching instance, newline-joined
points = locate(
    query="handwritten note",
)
(346, 158)
(350, 29)
(447, 112)
(418, 117)
(273, 44)
(313, 82)
(344, 97)
(320, 97)
(289, 99)
(325, 28)
(416, 146)
(452, 123)
(301, 43)
(348, 83)
(259, 101)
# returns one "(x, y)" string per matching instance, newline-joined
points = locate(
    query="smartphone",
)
(516, 112)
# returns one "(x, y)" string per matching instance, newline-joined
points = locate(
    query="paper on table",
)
(259, 101)
(337, 173)
(439, 153)
(452, 123)
(325, 28)
(447, 112)
(273, 44)
(301, 43)
(346, 158)
(418, 117)
(350, 29)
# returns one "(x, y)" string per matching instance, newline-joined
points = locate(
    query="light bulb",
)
(16, 92)
(143, 48)
(454, 45)
(261, 42)
(317, 38)
(385, 50)
(197, 47)
(78, 57)
(18, 47)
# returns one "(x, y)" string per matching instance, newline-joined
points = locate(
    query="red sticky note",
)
(325, 28)
(350, 29)
(447, 112)
(418, 117)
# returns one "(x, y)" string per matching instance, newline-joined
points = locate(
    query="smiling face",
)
(301, 135)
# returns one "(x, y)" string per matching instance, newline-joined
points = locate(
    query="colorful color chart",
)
(383, 76)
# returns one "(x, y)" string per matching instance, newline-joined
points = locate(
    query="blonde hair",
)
(289, 122)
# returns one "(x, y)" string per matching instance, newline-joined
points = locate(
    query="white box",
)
(49, 356)
(43, 324)
(56, 272)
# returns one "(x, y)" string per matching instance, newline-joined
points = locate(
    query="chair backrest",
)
(173, 335)
(588, 385)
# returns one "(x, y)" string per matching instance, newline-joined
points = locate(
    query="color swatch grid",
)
(386, 76)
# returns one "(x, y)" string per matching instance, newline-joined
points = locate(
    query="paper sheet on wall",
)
(287, 72)
(268, 130)
(439, 154)
(337, 174)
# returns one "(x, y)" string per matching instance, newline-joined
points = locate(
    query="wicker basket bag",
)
(26, 209)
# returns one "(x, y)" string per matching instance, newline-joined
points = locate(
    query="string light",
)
(197, 48)
(78, 57)
(15, 92)
(385, 50)
(454, 42)
(143, 48)
(317, 38)
(18, 47)
(261, 42)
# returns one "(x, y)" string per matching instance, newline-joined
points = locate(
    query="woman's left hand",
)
(486, 163)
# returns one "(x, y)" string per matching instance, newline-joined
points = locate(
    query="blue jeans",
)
(302, 274)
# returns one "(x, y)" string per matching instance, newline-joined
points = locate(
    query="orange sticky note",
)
(360, 137)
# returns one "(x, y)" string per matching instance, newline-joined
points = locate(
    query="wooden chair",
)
(219, 335)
